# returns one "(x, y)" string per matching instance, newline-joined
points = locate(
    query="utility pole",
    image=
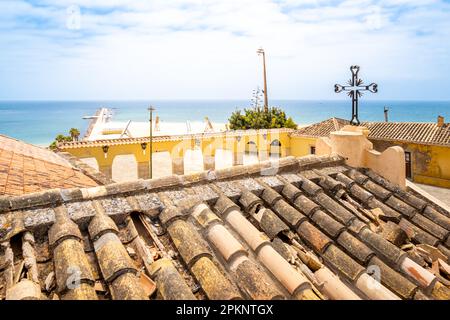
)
(151, 109)
(266, 99)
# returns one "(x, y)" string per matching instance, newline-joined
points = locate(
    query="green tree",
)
(256, 118)
(74, 134)
(62, 138)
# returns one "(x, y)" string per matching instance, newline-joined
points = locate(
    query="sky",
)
(206, 49)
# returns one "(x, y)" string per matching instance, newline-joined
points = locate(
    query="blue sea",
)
(38, 122)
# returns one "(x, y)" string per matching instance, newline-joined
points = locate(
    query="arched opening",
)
(193, 160)
(275, 149)
(223, 158)
(124, 168)
(92, 162)
(251, 148)
(251, 153)
(162, 164)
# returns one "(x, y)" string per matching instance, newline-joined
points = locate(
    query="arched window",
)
(275, 148)
(124, 168)
(251, 148)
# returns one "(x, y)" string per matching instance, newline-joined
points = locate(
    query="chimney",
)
(386, 111)
(440, 121)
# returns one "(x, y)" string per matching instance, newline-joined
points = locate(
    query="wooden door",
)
(408, 165)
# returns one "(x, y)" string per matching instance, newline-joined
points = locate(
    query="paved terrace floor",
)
(442, 194)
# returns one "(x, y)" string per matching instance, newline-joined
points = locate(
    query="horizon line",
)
(209, 99)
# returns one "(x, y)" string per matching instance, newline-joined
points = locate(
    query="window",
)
(312, 150)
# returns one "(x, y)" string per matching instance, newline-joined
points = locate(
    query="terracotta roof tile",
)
(416, 132)
(25, 168)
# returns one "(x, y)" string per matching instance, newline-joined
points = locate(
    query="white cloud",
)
(133, 49)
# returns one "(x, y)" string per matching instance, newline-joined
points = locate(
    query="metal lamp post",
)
(151, 109)
(266, 99)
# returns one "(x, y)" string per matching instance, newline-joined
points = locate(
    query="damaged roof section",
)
(312, 229)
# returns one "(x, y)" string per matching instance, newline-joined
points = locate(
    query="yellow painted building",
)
(264, 143)
(426, 145)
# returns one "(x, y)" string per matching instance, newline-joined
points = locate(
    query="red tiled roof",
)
(25, 168)
(322, 129)
(417, 132)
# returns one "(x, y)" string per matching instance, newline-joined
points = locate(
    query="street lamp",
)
(266, 99)
(151, 109)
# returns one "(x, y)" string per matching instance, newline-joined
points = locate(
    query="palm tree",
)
(74, 133)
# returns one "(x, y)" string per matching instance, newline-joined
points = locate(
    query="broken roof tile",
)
(417, 234)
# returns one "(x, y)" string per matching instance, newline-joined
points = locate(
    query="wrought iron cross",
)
(354, 91)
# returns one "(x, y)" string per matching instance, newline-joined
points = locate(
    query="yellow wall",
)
(436, 170)
(430, 164)
(301, 146)
(177, 148)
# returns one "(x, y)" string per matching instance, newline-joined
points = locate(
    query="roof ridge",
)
(266, 168)
(335, 123)
(23, 142)
(32, 154)
(70, 144)
(86, 169)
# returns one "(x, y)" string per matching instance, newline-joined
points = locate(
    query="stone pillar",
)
(178, 166)
(106, 170)
(238, 158)
(263, 155)
(143, 170)
(209, 162)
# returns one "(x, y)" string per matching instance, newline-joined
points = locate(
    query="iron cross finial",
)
(354, 91)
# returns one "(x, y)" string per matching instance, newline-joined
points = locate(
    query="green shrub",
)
(257, 118)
